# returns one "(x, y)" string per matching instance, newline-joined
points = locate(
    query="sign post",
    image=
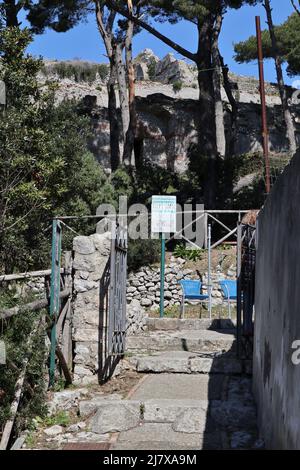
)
(163, 221)
(162, 274)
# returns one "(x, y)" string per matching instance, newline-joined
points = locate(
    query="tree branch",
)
(102, 30)
(181, 50)
(295, 7)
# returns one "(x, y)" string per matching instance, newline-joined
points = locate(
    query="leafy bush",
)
(142, 253)
(15, 335)
(189, 254)
(177, 86)
(151, 179)
(78, 71)
(45, 167)
(151, 69)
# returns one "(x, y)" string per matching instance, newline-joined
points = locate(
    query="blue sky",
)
(85, 43)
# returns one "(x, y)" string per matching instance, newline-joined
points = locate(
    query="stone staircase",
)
(193, 394)
(186, 346)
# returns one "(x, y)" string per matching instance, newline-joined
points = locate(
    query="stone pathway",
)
(192, 412)
(195, 395)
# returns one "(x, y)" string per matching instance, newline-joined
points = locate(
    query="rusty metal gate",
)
(246, 256)
(117, 291)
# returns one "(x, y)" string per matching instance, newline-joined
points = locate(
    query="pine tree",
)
(116, 35)
(288, 49)
(206, 15)
(282, 44)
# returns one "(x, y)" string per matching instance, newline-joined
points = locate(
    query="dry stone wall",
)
(143, 287)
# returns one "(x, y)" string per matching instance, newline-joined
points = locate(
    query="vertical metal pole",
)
(205, 229)
(239, 290)
(162, 274)
(209, 269)
(54, 292)
(265, 133)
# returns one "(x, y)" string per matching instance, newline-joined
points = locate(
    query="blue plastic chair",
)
(229, 291)
(191, 290)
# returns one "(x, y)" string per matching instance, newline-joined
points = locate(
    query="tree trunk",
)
(11, 13)
(207, 122)
(295, 7)
(130, 136)
(234, 108)
(281, 85)
(114, 136)
(219, 110)
(123, 96)
(106, 32)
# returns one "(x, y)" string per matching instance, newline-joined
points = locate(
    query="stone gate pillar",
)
(90, 267)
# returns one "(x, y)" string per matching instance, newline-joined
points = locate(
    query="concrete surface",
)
(186, 412)
(184, 362)
(154, 436)
(182, 340)
(180, 387)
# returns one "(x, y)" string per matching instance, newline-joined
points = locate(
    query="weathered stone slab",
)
(198, 387)
(168, 411)
(84, 262)
(65, 399)
(86, 316)
(102, 242)
(218, 365)
(83, 245)
(86, 335)
(192, 420)
(88, 407)
(116, 417)
(83, 285)
(160, 436)
(185, 362)
(53, 430)
(182, 340)
(173, 362)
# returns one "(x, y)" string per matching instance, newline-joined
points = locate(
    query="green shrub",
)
(61, 418)
(142, 253)
(152, 69)
(192, 255)
(78, 71)
(15, 335)
(177, 86)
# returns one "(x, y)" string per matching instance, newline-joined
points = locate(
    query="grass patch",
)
(195, 311)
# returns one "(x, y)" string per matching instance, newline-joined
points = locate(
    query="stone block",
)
(116, 417)
(88, 407)
(192, 420)
(86, 335)
(83, 245)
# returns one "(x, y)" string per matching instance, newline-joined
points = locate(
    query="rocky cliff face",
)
(167, 105)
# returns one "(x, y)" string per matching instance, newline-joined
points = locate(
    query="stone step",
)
(107, 416)
(183, 362)
(182, 340)
(172, 324)
(192, 417)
